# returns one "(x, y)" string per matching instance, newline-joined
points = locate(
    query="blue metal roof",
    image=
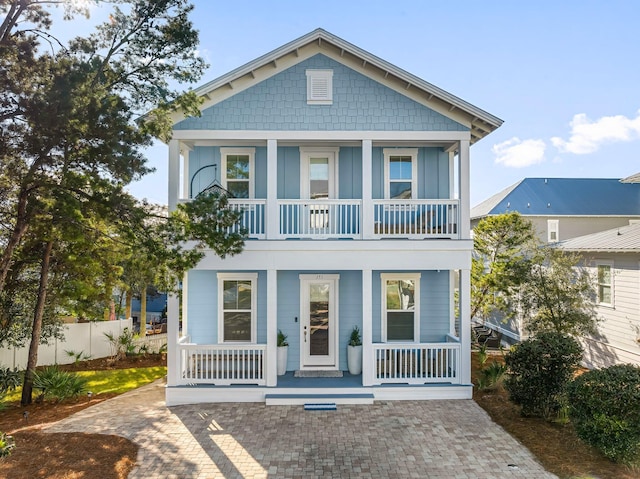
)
(567, 197)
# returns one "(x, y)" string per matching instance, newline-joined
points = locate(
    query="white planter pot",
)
(282, 360)
(354, 359)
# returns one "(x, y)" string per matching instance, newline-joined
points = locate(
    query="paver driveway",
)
(421, 439)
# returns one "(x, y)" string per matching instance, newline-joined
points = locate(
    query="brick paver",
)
(400, 439)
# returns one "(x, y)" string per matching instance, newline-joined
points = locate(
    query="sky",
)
(563, 75)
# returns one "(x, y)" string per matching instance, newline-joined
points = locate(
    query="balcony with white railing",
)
(222, 364)
(341, 219)
(412, 363)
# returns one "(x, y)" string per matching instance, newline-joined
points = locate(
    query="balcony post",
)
(367, 201)
(271, 374)
(464, 172)
(173, 356)
(367, 329)
(272, 215)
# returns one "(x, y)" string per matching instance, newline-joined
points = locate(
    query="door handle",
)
(305, 334)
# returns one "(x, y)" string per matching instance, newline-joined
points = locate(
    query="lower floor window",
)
(237, 307)
(400, 307)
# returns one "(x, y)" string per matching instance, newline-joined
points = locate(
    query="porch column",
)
(272, 328)
(173, 358)
(464, 189)
(367, 329)
(174, 174)
(367, 203)
(272, 215)
(465, 326)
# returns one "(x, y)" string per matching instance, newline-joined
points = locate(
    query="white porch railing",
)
(416, 218)
(253, 217)
(319, 218)
(412, 363)
(222, 364)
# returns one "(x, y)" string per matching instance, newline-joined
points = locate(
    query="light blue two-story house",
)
(353, 176)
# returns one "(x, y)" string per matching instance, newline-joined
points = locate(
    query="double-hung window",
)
(237, 305)
(400, 307)
(401, 173)
(605, 284)
(238, 171)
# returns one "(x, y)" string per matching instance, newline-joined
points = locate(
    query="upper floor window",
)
(237, 171)
(605, 284)
(319, 87)
(401, 173)
(400, 307)
(237, 307)
(553, 231)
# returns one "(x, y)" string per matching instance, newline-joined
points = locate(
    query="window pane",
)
(400, 326)
(230, 295)
(238, 189)
(237, 326)
(319, 178)
(604, 274)
(605, 294)
(244, 295)
(400, 294)
(400, 167)
(238, 167)
(400, 190)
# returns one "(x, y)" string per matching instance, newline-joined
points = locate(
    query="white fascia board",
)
(263, 135)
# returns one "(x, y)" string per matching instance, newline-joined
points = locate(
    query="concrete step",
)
(302, 399)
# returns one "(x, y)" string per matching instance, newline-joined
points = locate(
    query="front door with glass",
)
(318, 323)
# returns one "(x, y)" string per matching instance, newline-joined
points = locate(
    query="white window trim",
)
(326, 75)
(413, 153)
(609, 263)
(306, 153)
(251, 153)
(384, 277)
(253, 277)
(553, 226)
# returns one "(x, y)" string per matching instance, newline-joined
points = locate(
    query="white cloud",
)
(516, 153)
(587, 136)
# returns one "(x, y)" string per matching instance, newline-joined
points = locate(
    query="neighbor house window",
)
(401, 173)
(237, 304)
(319, 87)
(238, 171)
(553, 231)
(400, 307)
(605, 284)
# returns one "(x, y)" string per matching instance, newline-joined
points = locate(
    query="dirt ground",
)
(74, 456)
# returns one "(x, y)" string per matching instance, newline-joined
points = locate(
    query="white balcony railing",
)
(253, 216)
(222, 364)
(413, 363)
(416, 218)
(319, 218)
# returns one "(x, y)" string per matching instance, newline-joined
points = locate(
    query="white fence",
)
(86, 337)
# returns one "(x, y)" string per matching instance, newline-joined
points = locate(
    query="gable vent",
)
(319, 87)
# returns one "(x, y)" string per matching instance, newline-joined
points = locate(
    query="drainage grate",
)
(320, 406)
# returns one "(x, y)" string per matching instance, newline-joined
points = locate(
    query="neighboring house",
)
(613, 256)
(563, 208)
(560, 209)
(156, 309)
(346, 169)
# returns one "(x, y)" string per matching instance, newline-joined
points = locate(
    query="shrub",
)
(6, 444)
(57, 384)
(492, 377)
(123, 344)
(9, 379)
(605, 410)
(539, 370)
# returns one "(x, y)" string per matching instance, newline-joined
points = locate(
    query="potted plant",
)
(354, 352)
(283, 348)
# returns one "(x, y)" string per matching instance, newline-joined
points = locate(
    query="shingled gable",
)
(477, 120)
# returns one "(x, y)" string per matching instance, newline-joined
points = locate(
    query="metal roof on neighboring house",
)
(564, 197)
(625, 239)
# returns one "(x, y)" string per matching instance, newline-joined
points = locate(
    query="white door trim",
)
(306, 153)
(332, 361)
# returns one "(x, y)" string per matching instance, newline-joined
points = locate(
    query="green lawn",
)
(116, 381)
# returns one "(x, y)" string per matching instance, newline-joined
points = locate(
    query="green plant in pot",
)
(354, 351)
(283, 348)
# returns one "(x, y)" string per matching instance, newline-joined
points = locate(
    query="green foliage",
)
(118, 381)
(539, 370)
(57, 384)
(123, 344)
(483, 354)
(282, 339)
(605, 410)
(558, 295)
(10, 379)
(501, 245)
(492, 376)
(355, 339)
(7, 444)
(77, 356)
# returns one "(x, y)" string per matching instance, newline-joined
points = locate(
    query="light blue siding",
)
(350, 173)
(260, 173)
(377, 173)
(359, 104)
(289, 172)
(203, 156)
(289, 314)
